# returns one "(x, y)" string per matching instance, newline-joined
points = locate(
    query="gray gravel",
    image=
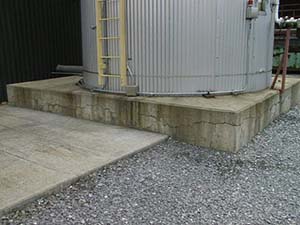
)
(176, 183)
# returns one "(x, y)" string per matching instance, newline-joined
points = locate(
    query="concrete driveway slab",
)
(41, 152)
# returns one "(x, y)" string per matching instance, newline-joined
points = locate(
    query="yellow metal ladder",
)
(121, 38)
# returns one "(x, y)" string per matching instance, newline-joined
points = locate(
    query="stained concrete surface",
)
(41, 152)
(224, 123)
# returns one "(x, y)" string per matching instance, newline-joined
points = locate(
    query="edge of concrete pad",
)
(255, 112)
(76, 91)
(59, 186)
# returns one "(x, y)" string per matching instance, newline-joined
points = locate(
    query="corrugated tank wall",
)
(184, 46)
(35, 36)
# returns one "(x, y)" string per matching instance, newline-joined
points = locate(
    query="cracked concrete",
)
(224, 123)
(41, 152)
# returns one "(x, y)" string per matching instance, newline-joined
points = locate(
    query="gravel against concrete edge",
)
(176, 183)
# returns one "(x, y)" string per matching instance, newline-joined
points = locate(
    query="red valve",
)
(250, 2)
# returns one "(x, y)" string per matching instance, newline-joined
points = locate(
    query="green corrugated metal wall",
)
(35, 36)
(289, 8)
(294, 54)
(294, 59)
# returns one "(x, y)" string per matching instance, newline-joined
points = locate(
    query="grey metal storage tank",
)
(185, 47)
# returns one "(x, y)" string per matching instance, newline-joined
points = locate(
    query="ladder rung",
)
(107, 0)
(110, 57)
(109, 38)
(110, 18)
(110, 75)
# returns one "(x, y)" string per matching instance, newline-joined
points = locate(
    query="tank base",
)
(224, 123)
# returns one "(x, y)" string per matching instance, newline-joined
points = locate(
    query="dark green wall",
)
(294, 51)
(35, 36)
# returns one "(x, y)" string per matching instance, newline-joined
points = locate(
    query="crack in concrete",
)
(30, 161)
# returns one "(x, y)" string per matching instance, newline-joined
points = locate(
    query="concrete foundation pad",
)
(42, 152)
(224, 123)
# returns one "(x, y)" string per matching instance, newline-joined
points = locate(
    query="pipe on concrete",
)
(192, 94)
(69, 69)
(150, 94)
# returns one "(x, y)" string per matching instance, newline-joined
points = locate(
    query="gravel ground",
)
(176, 183)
